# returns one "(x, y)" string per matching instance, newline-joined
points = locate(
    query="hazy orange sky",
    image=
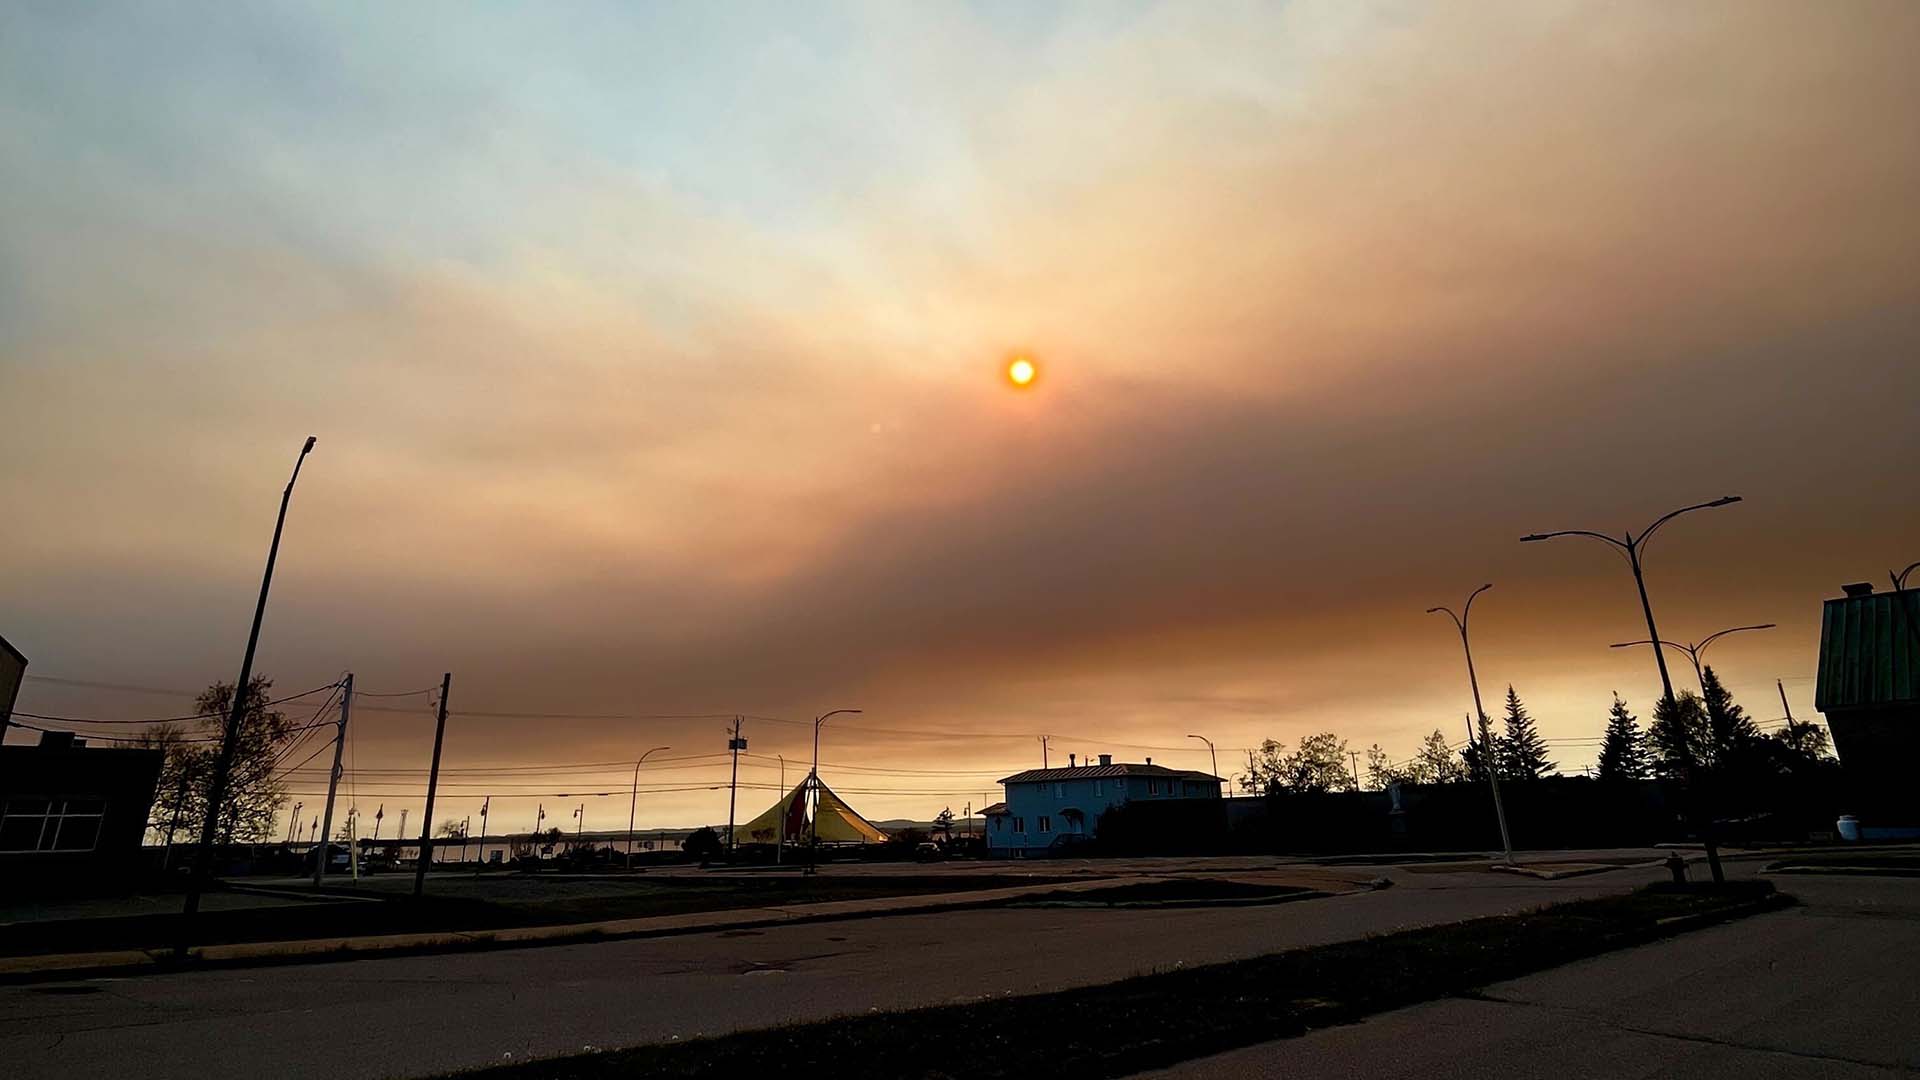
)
(655, 359)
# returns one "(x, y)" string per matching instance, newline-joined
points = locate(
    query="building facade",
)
(1869, 690)
(72, 816)
(1047, 811)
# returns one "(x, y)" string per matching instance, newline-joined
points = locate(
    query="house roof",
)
(1869, 651)
(1101, 772)
(994, 810)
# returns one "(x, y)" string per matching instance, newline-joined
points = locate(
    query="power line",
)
(169, 719)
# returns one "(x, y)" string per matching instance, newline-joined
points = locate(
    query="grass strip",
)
(1156, 1020)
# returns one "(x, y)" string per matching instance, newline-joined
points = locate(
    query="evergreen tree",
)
(1523, 753)
(1473, 756)
(1623, 753)
(1677, 735)
(1731, 734)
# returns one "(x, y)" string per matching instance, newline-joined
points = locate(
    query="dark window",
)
(51, 824)
(1046, 824)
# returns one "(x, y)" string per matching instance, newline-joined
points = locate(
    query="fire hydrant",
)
(1677, 866)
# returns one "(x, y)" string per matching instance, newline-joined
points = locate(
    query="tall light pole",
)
(1215, 758)
(1487, 758)
(634, 801)
(1633, 546)
(813, 789)
(1693, 651)
(223, 760)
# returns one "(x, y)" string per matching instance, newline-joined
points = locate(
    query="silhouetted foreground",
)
(1156, 1020)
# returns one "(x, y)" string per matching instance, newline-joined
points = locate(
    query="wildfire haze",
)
(651, 354)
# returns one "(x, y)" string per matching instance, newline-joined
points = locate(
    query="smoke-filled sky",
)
(656, 358)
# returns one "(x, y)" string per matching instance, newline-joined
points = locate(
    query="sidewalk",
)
(1823, 990)
(140, 961)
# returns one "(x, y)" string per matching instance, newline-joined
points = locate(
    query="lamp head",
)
(308, 449)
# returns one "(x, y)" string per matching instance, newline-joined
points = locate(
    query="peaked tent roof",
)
(838, 822)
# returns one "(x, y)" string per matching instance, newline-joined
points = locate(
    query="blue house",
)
(1050, 809)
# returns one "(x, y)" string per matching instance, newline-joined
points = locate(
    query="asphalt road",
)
(1828, 989)
(413, 1016)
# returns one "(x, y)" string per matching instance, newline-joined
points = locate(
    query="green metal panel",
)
(1869, 652)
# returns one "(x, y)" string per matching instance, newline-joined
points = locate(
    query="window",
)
(997, 822)
(1153, 787)
(1046, 823)
(1059, 791)
(1099, 789)
(51, 824)
(1019, 824)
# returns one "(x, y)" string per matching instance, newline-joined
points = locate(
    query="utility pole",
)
(1355, 755)
(465, 822)
(481, 863)
(780, 849)
(378, 813)
(735, 745)
(1778, 685)
(402, 830)
(223, 758)
(579, 823)
(293, 823)
(333, 780)
(433, 782)
(1043, 752)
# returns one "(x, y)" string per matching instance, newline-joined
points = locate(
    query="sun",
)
(1022, 372)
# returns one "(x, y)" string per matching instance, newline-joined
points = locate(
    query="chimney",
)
(1069, 761)
(1149, 761)
(1106, 759)
(1858, 588)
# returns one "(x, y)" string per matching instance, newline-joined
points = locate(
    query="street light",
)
(1693, 651)
(223, 760)
(634, 801)
(813, 789)
(1215, 758)
(1633, 545)
(1487, 757)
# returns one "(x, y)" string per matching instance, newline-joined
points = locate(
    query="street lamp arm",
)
(1643, 641)
(1900, 579)
(1448, 612)
(1710, 638)
(1724, 500)
(1530, 538)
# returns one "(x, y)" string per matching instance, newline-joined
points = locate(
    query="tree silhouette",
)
(255, 793)
(1320, 764)
(1523, 753)
(1678, 733)
(1731, 734)
(1436, 763)
(1623, 752)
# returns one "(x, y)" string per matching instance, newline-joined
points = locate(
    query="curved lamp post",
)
(1487, 761)
(223, 760)
(813, 789)
(1633, 546)
(1693, 651)
(1215, 758)
(634, 801)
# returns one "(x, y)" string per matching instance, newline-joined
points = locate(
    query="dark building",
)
(1869, 689)
(72, 816)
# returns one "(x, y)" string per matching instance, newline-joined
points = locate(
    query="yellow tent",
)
(839, 823)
